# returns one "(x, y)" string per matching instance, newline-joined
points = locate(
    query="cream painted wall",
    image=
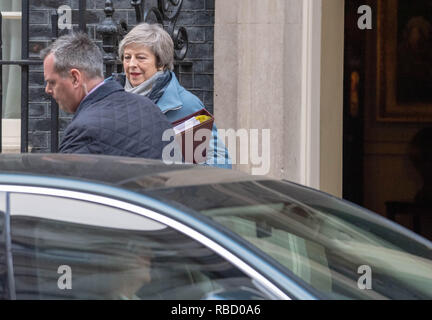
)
(11, 135)
(266, 70)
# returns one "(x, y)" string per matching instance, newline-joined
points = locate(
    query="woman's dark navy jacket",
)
(111, 121)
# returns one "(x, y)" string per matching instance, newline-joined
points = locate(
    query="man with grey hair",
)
(107, 120)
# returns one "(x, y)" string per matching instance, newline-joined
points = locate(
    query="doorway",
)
(381, 138)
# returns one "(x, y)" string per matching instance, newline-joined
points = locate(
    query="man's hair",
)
(154, 37)
(75, 51)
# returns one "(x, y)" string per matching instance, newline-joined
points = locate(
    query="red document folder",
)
(193, 141)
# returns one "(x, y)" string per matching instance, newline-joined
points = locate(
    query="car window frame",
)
(262, 281)
(5, 209)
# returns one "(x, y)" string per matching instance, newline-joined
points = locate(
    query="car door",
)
(72, 248)
(3, 258)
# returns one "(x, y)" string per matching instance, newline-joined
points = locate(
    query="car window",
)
(72, 249)
(3, 266)
(327, 245)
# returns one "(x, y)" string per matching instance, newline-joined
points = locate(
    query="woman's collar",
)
(171, 98)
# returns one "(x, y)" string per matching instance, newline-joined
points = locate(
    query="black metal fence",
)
(111, 32)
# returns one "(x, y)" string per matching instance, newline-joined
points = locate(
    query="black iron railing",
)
(54, 106)
(167, 11)
(111, 32)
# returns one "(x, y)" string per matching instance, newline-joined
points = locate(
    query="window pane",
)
(11, 92)
(117, 257)
(319, 239)
(3, 266)
(11, 79)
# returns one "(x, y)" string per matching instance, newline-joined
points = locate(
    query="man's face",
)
(62, 89)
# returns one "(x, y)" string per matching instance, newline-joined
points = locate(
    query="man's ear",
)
(76, 77)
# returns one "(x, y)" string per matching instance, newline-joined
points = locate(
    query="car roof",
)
(124, 172)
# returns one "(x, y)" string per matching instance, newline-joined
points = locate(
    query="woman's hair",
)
(156, 39)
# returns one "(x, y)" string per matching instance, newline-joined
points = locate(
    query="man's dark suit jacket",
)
(111, 121)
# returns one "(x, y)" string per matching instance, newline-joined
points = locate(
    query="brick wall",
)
(197, 16)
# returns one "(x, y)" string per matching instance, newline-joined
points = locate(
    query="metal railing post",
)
(110, 32)
(54, 105)
(82, 11)
(24, 76)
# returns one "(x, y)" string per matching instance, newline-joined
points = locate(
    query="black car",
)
(101, 227)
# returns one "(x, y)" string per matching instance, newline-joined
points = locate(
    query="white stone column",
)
(268, 76)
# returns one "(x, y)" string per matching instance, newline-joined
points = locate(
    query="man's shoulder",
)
(119, 77)
(115, 106)
(119, 99)
(130, 96)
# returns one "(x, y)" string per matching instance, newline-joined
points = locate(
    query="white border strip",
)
(159, 218)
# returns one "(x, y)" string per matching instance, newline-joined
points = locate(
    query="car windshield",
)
(340, 250)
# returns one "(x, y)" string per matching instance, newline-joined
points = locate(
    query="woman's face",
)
(139, 64)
